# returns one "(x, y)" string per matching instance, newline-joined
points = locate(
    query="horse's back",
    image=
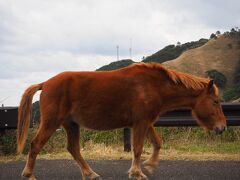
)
(102, 100)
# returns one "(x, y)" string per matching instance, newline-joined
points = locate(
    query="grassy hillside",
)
(221, 54)
(171, 51)
(116, 65)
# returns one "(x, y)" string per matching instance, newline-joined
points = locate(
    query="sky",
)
(41, 38)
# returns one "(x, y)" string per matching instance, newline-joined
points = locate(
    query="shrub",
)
(219, 78)
(230, 46)
(213, 36)
(234, 92)
(8, 142)
(230, 94)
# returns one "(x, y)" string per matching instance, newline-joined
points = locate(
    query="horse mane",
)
(188, 80)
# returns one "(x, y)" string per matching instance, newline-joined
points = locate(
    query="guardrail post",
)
(127, 139)
(2, 132)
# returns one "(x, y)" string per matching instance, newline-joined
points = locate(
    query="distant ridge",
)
(171, 52)
(116, 65)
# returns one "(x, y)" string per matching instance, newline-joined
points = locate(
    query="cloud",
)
(39, 39)
(32, 69)
(75, 26)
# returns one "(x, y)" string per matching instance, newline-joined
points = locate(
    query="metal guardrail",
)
(183, 117)
(8, 117)
(177, 118)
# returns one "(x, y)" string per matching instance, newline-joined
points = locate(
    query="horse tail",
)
(24, 115)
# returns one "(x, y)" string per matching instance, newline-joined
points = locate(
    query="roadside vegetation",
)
(177, 143)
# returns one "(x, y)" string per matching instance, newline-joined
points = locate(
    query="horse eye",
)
(216, 102)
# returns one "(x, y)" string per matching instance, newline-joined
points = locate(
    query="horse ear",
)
(210, 86)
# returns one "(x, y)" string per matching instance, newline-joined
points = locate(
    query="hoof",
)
(28, 175)
(31, 177)
(150, 167)
(94, 176)
(137, 175)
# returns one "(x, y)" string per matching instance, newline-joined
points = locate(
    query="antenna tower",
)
(117, 53)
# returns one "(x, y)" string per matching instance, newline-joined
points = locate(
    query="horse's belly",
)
(102, 123)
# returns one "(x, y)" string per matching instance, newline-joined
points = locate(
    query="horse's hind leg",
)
(44, 133)
(153, 137)
(73, 146)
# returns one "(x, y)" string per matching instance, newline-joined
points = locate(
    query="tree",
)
(237, 74)
(178, 43)
(213, 36)
(234, 92)
(218, 33)
(233, 30)
(219, 78)
(226, 34)
(36, 112)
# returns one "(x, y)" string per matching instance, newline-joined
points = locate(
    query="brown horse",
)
(134, 97)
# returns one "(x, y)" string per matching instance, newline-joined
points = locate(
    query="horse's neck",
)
(179, 97)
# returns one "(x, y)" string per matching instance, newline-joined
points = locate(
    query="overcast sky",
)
(40, 38)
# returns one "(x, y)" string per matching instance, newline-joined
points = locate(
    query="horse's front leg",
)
(138, 135)
(151, 163)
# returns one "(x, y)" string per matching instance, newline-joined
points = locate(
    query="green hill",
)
(173, 51)
(116, 65)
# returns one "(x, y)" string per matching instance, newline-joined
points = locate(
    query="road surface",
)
(116, 169)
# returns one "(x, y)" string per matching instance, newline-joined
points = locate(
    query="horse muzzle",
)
(219, 130)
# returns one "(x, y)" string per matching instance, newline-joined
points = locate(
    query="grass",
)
(205, 147)
(178, 144)
(115, 152)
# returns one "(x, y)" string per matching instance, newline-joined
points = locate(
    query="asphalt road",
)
(174, 170)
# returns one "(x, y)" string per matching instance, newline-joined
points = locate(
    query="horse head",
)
(208, 110)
